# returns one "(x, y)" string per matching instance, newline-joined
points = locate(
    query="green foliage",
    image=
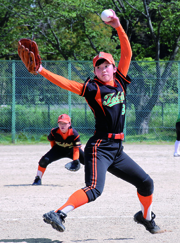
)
(73, 29)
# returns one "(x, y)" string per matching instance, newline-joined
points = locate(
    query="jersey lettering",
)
(111, 99)
(70, 145)
(123, 109)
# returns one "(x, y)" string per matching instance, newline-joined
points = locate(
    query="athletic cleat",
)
(73, 166)
(37, 181)
(55, 219)
(149, 225)
(176, 155)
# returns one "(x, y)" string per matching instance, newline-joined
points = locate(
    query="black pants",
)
(56, 153)
(102, 155)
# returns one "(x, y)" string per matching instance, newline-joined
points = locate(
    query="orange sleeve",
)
(62, 82)
(126, 52)
(52, 143)
(75, 153)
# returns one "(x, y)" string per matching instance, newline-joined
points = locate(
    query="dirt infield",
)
(108, 219)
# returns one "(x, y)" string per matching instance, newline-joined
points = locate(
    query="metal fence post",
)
(69, 93)
(13, 128)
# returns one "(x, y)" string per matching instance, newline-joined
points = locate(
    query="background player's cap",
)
(103, 55)
(64, 118)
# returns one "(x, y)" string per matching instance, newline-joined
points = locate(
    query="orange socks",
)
(76, 200)
(146, 204)
(40, 171)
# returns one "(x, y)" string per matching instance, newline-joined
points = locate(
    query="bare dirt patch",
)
(108, 219)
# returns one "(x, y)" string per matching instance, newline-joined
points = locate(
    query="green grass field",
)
(33, 123)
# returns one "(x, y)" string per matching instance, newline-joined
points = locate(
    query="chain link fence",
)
(30, 104)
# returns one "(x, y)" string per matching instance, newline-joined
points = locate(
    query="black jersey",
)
(72, 140)
(108, 103)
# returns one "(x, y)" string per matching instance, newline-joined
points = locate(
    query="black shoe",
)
(149, 225)
(37, 181)
(55, 219)
(73, 166)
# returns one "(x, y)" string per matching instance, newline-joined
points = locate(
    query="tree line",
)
(73, 30)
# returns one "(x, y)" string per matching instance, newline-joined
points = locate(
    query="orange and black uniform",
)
(63, 146)
(107, 103)
(104, 151)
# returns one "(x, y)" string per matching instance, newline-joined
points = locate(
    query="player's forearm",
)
(126, 52)
(75, 153)
(62, 82)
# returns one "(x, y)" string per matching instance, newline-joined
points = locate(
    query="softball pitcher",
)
(106, 96)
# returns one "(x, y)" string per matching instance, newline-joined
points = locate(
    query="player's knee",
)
(93, 194)
(44, 161)
(147, 187)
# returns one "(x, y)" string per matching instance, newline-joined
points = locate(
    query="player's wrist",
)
(118, 26)
(40, 68)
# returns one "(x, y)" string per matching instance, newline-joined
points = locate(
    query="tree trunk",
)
(142, 123)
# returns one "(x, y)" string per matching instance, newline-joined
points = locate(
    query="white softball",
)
(105, 15)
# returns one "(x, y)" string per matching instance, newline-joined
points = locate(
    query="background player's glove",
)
(29, 54)
(73, 166)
